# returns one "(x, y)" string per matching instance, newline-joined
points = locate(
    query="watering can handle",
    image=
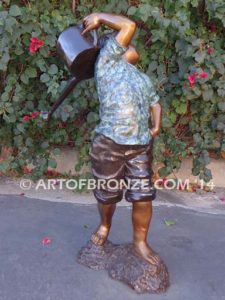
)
(93, 33)
(95, 36)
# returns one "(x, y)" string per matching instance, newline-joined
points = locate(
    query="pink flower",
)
(210, 50)
(192, 79)
(35, 44)
(46, 241)
(222, 199)
(26, 118)
(203, 74)
(35, 114)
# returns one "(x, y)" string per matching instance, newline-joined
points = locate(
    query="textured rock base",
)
(124, 265)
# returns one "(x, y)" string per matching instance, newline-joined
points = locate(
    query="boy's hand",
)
(90, 22)
(154, 131)
(156, 116)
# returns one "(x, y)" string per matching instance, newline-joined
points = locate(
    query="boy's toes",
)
(98, 239)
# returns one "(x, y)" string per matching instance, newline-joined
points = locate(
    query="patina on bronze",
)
(79, 53)
(136, 264)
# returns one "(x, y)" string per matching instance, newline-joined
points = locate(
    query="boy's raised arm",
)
(125, 27)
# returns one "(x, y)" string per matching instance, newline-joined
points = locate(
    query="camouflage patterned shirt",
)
(125, 95)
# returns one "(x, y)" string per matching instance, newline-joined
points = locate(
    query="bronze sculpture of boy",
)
(122, 146)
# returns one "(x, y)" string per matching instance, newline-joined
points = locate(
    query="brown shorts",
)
(115, 166)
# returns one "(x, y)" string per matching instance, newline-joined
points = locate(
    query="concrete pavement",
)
(200, 200)
(193, 249)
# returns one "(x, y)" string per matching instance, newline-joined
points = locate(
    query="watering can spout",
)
(66, 91)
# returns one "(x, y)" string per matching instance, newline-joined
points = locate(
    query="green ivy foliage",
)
(181, 45)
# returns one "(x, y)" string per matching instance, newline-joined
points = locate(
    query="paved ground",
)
(193, 249)
(201, 201)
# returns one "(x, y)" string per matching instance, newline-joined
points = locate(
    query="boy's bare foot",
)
(145, 251)
(100, 236)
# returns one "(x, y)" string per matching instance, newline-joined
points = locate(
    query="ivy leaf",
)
(20, 127)
(181, 45)
(169, 222)
(131, 11)
(206, 175)
(174, 79)
(92, 117)
(152, 66)
(221, 92)
(166, 22)
(164, 171)
(197, 42)
(31, 72)
(68, 108)
(220, 126)
(173, 117)
(197, 138)
(64, 115)
(9, 24)
(200, 56)
(45, 145)
(145, 11)
(41, 64)
(15, 11)
(195, 3)
(29, 142)
(24, 78)
(12, 118)
(4, 61)
(44, 78)
(220, 67)
(207, 95)
(166, 122)
(221, 106)
(52, 163)
(86, 226)
(197, 91)
(10, 109)
(19, 50)
(56, 151)
(53, 70)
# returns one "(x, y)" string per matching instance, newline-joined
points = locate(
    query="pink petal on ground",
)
(22, 194)
(46, 241)
(222, 199)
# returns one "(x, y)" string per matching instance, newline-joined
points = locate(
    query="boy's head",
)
(131, 55)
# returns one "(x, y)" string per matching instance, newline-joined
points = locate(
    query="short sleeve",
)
(113, 49)
(152, 96)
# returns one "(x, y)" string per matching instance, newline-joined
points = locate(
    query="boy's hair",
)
(104, 37)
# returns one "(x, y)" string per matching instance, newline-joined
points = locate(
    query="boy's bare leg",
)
(141, 218)
(106, 212)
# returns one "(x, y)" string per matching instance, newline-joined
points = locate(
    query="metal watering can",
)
(79, 53)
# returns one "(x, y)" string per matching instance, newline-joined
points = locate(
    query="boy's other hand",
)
(154, 131)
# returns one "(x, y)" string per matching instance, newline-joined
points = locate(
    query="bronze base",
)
(124, 265)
